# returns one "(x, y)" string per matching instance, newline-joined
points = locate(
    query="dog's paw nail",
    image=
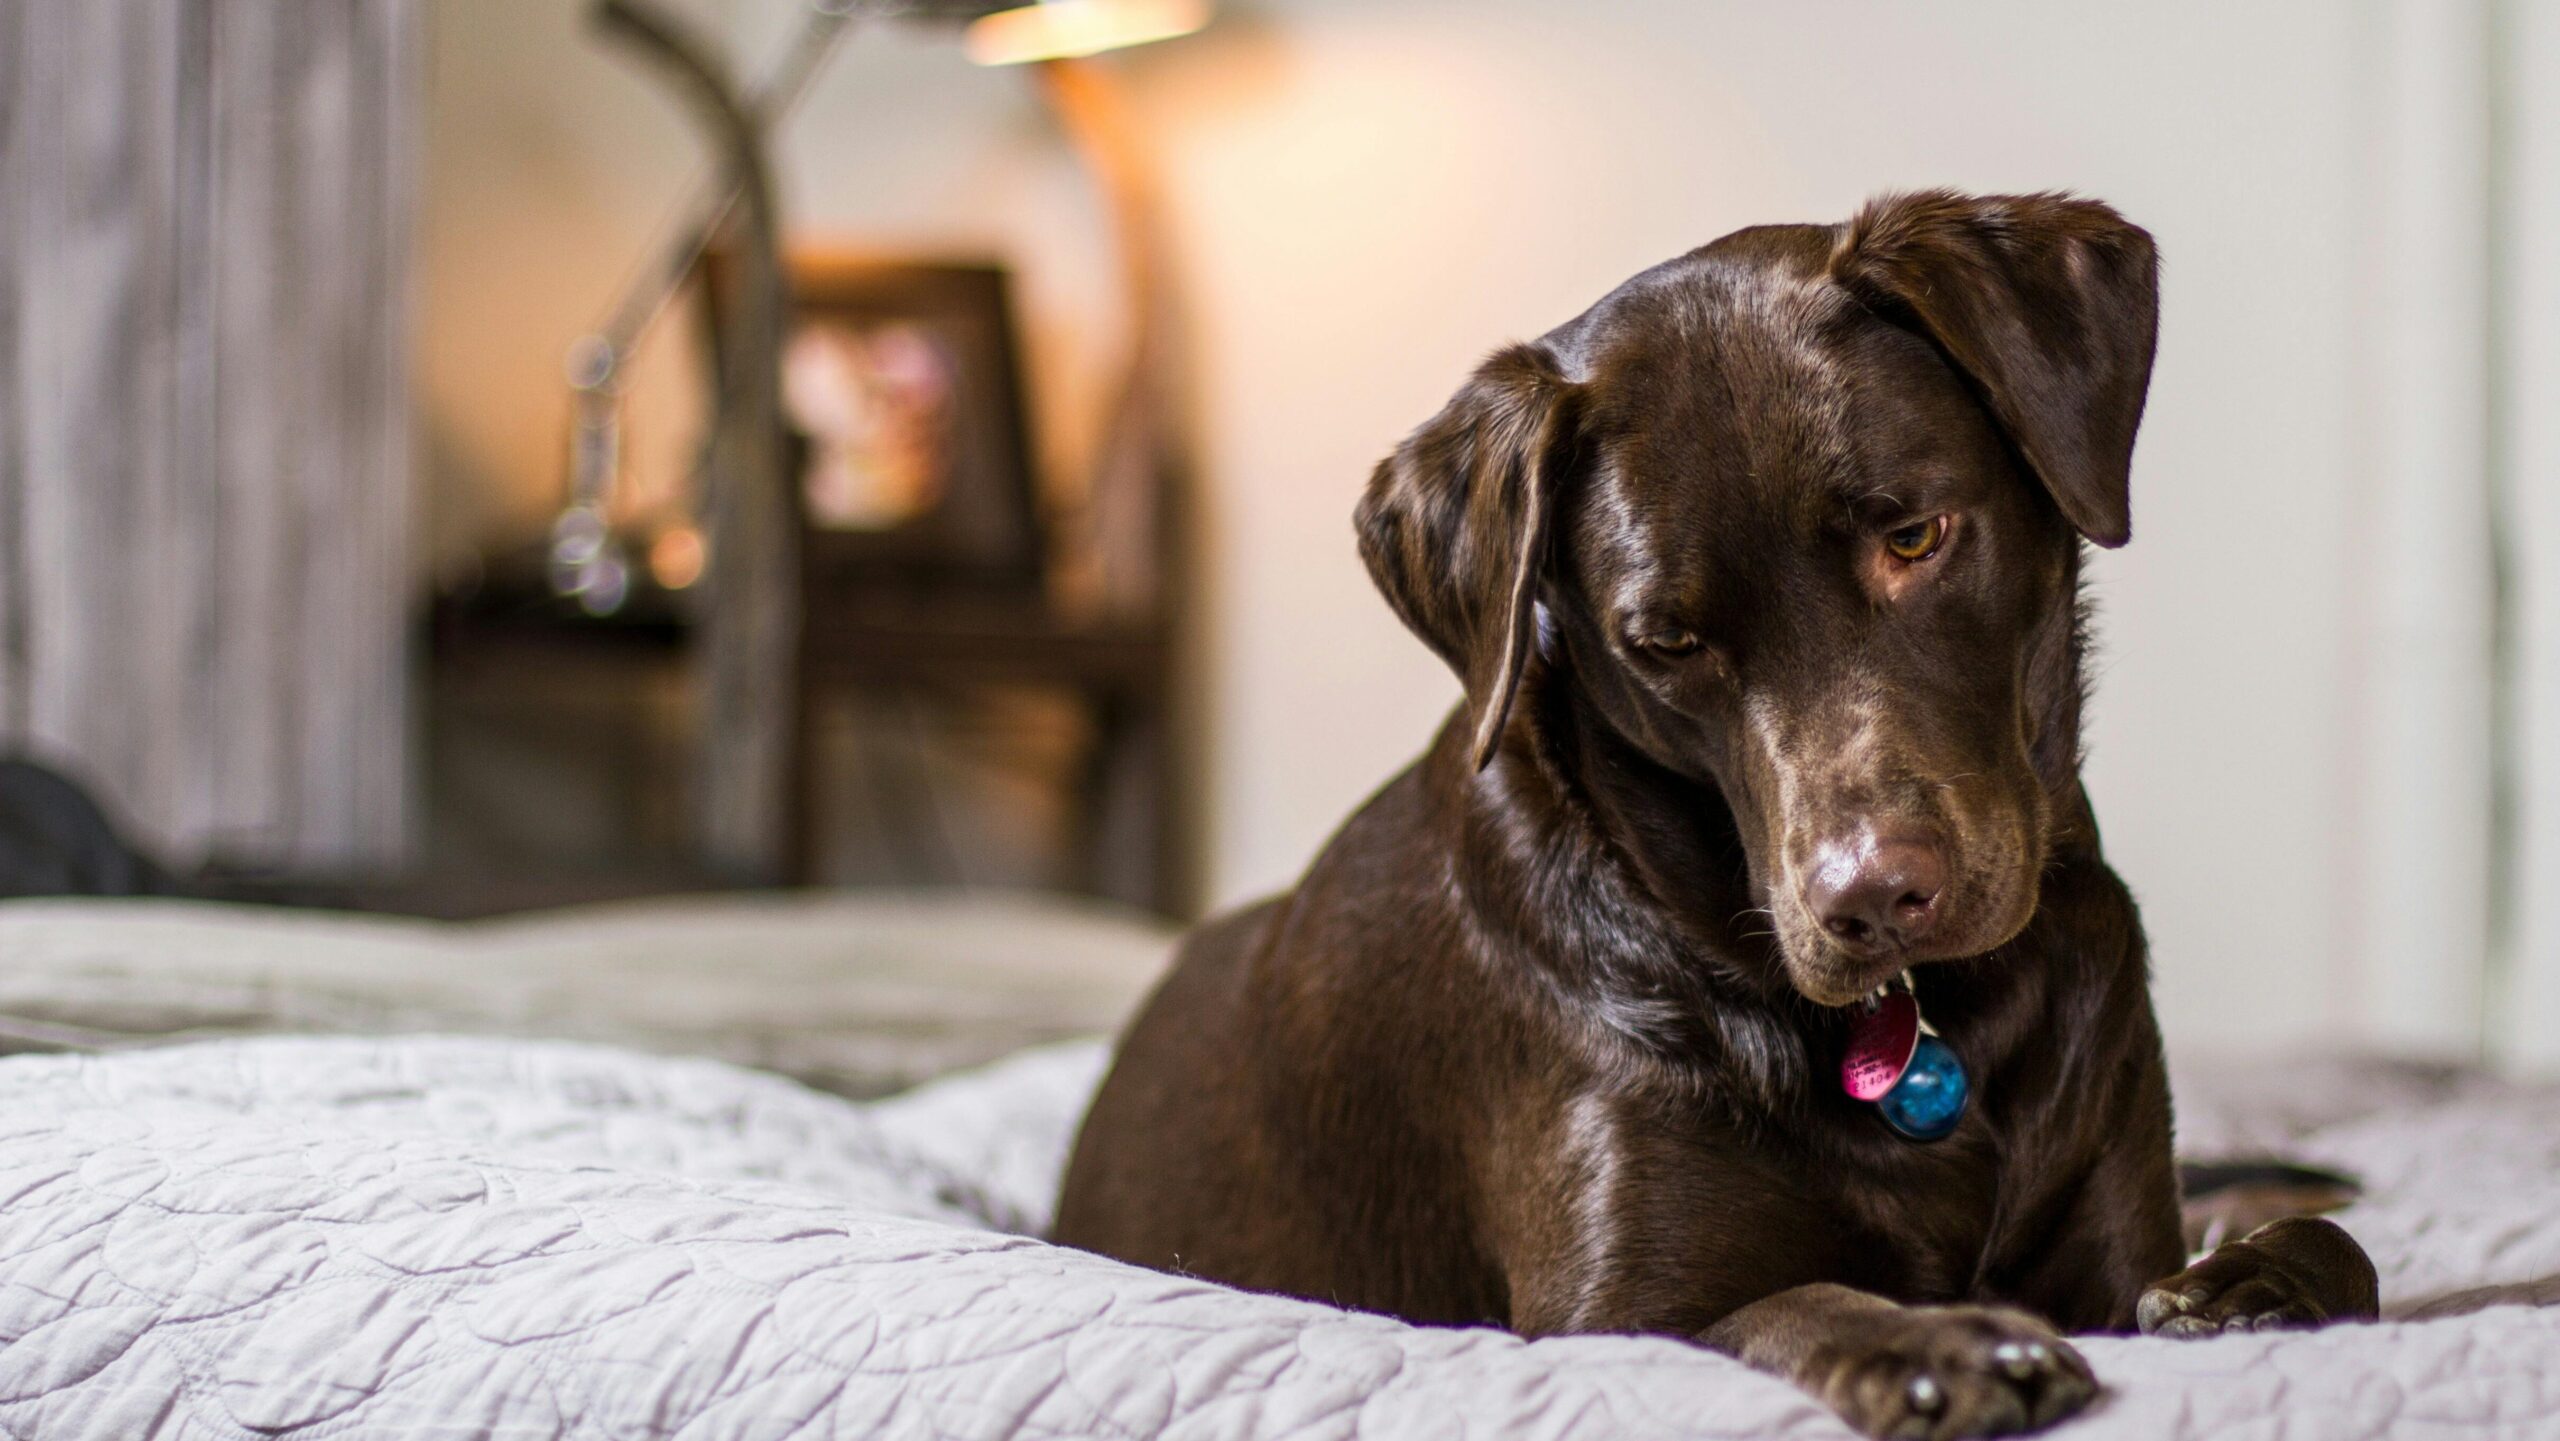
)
(2156, 1309)
(2021, 1359)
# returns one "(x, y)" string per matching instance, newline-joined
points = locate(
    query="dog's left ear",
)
(2049, 305)
(1454, 525)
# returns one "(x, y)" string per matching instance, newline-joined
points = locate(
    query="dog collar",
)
(1896, 1062)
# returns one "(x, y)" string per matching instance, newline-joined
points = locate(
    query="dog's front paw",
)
(2300, 1271)
(1942, 1372)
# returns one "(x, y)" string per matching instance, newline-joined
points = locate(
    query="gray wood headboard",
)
(205, 439)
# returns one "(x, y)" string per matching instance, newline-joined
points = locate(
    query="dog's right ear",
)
(1455, 524)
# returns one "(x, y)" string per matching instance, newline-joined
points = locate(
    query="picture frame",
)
(911, 438)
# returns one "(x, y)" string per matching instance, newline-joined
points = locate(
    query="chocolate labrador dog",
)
(1762, 578)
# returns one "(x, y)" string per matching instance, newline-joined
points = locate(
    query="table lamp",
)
(1125, 567)
(1072, 29)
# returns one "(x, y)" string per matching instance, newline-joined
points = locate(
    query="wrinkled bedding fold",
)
(427, 1236)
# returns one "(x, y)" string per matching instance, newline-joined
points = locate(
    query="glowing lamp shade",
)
(1066, 29)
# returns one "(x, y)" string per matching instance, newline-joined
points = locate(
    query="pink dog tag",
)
(1881, 1039)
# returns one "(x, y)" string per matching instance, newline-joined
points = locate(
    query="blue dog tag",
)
(1930, 1098)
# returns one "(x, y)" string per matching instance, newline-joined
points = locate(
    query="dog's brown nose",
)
(1877, 893)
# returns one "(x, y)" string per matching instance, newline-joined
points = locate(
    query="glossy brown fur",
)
(1534, 1043)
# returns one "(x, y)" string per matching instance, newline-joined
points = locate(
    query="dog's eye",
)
(1917, 541)
(1669, 642)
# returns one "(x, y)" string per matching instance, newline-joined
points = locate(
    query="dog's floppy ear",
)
(1454, 525)
(2048, 304)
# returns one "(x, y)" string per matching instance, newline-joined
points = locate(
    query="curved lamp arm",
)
(750, 629)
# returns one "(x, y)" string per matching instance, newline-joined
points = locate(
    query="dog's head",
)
(1798, 513)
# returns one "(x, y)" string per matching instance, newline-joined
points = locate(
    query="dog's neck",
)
(2057, 689)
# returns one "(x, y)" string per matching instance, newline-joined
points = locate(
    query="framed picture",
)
(902, 383)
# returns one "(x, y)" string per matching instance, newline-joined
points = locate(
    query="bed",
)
(860, 993)
(409, 1234)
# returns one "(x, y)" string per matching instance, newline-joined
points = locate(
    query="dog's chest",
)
(1748, 1211)
(1918, 1218)
(1943, 1220)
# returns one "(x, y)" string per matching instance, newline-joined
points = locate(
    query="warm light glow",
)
(675, 558)
(1062, 29)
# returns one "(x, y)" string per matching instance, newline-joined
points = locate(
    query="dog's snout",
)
(1877, 893)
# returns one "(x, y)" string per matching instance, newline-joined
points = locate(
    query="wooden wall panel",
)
(205, 443)
(15, 146)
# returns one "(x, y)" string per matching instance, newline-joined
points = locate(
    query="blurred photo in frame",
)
(902, 386)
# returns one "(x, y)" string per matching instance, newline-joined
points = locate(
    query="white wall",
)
(1371, 193)
(1401, 186)
(549, 159)
(2525, 995)
(2416, 610)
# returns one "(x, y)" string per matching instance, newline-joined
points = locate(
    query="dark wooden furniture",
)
(1127, 834)
(1127, 829)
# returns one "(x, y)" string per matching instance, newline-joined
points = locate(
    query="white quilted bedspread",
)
(427, 1237)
